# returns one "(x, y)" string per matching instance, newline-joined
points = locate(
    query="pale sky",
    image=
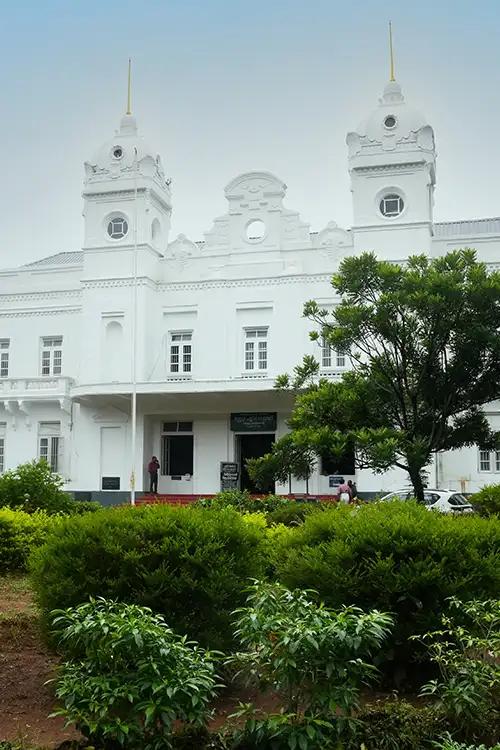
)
(222, 87)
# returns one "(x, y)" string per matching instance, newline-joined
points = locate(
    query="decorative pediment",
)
(257, 218)
(182, 247)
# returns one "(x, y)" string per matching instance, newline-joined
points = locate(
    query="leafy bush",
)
(129, 677)
(190, 565)
(450, 744)
(79, 507)
(20, 533)
(467, 652)
(293, 513)
(312, 657)
(397, 557)
(487, 500)
(34, 486)
(396, 725)
(242, 501)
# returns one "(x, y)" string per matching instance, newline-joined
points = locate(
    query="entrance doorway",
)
(253, 446)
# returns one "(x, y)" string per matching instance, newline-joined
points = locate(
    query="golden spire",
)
(129, 95)
(391, 77)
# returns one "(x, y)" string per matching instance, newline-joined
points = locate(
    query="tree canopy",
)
(423, 340)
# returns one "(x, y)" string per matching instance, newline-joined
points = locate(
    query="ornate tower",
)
(127, 203)
(392, 160)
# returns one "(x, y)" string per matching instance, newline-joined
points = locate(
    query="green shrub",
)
(487, 500)
(20, 533)
(187, 564)
(396, 557)
(242, 501)
(450, 744)
(396, 725)
(315, 659)
(34, 486)
(293, 513)
(79, 507)
(129, 678)
(467, 652)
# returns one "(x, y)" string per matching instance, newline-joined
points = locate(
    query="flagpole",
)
(134, 342)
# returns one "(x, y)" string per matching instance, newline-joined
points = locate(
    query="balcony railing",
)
(35, 388)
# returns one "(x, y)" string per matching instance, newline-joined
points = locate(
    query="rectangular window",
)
(177, 456)
(177, 426)
(256, 348)
(330, 357)
(51, 355)
(181, 352)
(4, 358)
(50, 444)
(484, 461)
(497, 460)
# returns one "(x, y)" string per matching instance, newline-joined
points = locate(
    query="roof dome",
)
(124, 148)
(393, 118)
(125, 156)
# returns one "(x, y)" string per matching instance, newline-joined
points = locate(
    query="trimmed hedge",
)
(20, 533)
(187, 564)
(397, 557)
(294, 513)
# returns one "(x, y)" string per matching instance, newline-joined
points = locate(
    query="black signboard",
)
(335, 480)
(229, 475)
(110, 483)
(253, 421)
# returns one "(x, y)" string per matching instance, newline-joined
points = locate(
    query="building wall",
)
(256, 267)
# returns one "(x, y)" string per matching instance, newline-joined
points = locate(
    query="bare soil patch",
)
(25, 666)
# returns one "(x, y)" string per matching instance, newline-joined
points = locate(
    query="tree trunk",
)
(289, 484)
(416, 480)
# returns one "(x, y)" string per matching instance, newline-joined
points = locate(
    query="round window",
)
(390, 122)
(117, 152)
(391, 205)
(255, 231)
(118, 227)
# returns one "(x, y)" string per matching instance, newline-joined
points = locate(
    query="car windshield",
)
(458, 500)
(430, 498)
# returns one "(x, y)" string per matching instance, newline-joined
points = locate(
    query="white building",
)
(216, 320)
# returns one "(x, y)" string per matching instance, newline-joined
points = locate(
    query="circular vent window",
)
(390, 122)
(117, 152)
(391, 205)
(117, 227)
(255, 231)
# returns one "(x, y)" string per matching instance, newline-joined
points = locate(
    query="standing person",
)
(153, 467)
(344, 493)
(354, 490)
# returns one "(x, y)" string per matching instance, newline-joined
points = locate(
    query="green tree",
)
(425, 352)
(287, 459)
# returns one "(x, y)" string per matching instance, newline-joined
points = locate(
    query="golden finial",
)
(129, 95)
(392, 77)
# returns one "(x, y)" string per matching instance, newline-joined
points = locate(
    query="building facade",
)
(200, 330)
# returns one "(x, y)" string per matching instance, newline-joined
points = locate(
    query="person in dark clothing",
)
(354, 490)
(153, 467)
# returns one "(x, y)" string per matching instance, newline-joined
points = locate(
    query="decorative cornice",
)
(118, 282)
(173, 286)
(249, 282)
(36, 296)
(385, 168)
(36, 312)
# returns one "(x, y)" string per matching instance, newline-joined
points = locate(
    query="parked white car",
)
(445, 501)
